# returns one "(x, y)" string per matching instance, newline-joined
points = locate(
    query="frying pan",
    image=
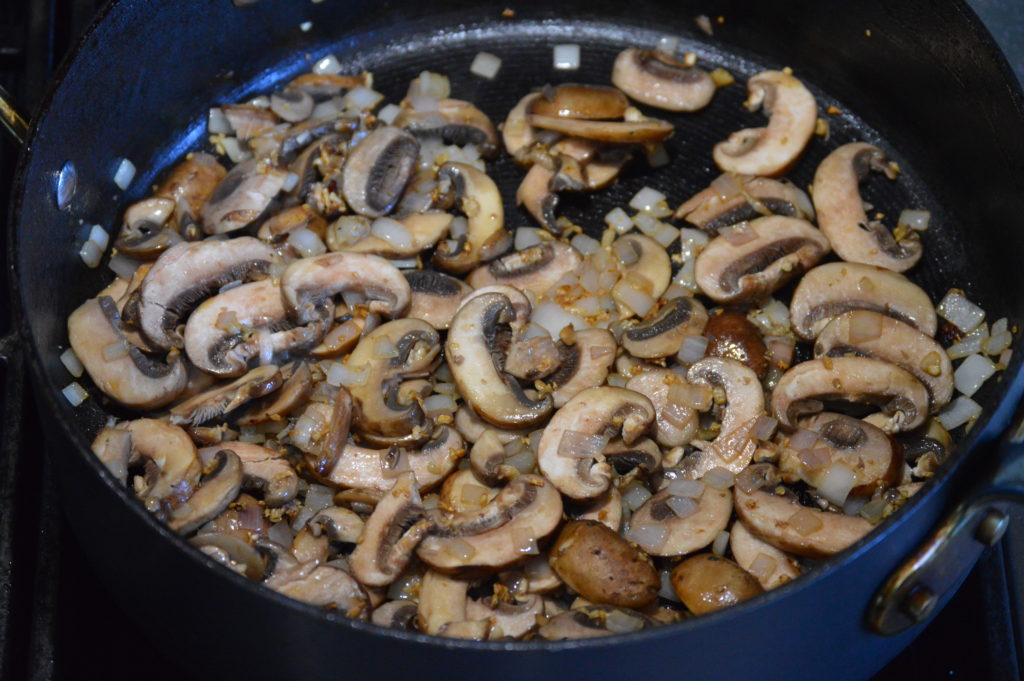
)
(920, 78)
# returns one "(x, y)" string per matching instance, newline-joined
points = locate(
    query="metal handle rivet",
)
(919, 603)
(67, 183)
(992, 527)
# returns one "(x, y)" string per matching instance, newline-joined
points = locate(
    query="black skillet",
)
(922, 79)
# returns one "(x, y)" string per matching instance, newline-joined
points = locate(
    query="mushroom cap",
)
(680, 535)
(225, 398)
(707, 583)
(771, 150)
(435, 296)
(265, 470)
(242, 197)
(535, 269)
(652, 262)
(517, 133)
(841, 214)
(425, 229)
(803, 388)
(378, 169)
(364, 468)
(658, 79)
(834, 288)
(781, 248)
(588, 102)
(176, 462)
(583, 364)
(866, 333)
(217, 488)
(479, 199)
(454, 122)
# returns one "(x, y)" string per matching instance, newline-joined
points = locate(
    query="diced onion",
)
(438, 404)
(814, 459)
(91, 254)
(626, 253)
(460, 549)
(115, 350)
(523, 462)
(646, 223)
(327, 65)
(123, 266)
(234, 149)
(916, 220)
(836, 483)
(392, 231)
(650, 537)
(763, 566)
(781, 351)
(972, 373)
(577, 445)
(693, 396)
(727, 185)
(998, 342)
(584, 244)
(306, 242)
(341, 374)
(693, 349)
(618, 220)
(962, 313)
(290, 180)
(74, 393)
(689, 489)
(640, 302)
(1004, 358)
(319, 497)
(665, 234)
(668, 44)
(305, 26)
(388, 113)
(566, 57)
(721, 543)
(635, 495)
(617, 380)
(853, 505)
(266, 345)
(970, 344)
(645, 199)
(99, 236)
(362, 98)
(554, 318)
(764, 428)
(805, 522)
(124, 174)
(874, 510)
(217, 122)
(657, 157)
(280, 533)
(620, 622)
(430, 84)
(803, 439)
(524, 542)
(329, 108)
(485, 65)
(71, 362)
(719, 478)
(527, 237)
(667, 591)
(738, 234)
(303, 517)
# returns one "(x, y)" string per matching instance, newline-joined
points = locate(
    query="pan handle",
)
(13, 122)
(938, 566)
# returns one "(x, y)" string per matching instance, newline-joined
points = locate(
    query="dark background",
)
(56, 620)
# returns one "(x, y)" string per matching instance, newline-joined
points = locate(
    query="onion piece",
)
(972, 373)
(124, 174)
(584, 244)
(667, 591)
(392, 231)
(635, 495)
(721, 543)
(554, 318)
(306, 242)
(762, 566)
(637, 300)
(566, 57)
(485, 65)
(74, 393)
(962, 313)
(693, 349)
(430, 84)
(836, 483)
(526, 237)
(280, 533)
(620, 622)
(99, 236)
(668, 44)
(234, 150)
(217, 122)
(916, 220)
(91, 254)
(626, 254)
(341, 374)
(388, 113)
(71, 362)
(577, 445)
(719, 478)
(657, 157)
(650, 537)
(618, 220)
(123, 266)
(689, 489)
(436, 405)
(646, 199)
(814, 459)
(764, 428)
(802, 439)
(361, 98)
(805, 522)
(327, 65)
(115, 350)
(665, 234)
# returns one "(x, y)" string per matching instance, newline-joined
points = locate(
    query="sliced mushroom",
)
(225, 399)
(190, 185)
(588, 102)
(249, 121)
(425, 229)
(244, 322)
(488, 457)
(360, 467)
(593, 621)
(535, 269)
(242, 197)
(771, 150)
(464, 491)
(603, 567)
(784, 523)
(642, 455)
(657, 527)
(173, 467)
(299, 136)
(398, 614)
(390, 535)
(733, 448)
(217, 488)
(663, 334)
(707, 583)
(538, 198)
(675, 422)
(502, 533)
(378, 169)
(472, 427)
(601, 412)
(829, 290)
(323, 86)
(234, 553)
(517, 133)
(435, 296)
(328, 587)
(454, 122)
(113, 446)
(732, 199)
(656, 78)
(586, 164)
(606, 509)
(479, 199)
(186, 274)
(873, 459)
(841, 214)
(344, 334)
(774, 250)
(146, 233)
(642, 259)
(309, 166)
(771, 567)
(338, 524)
(292, 104)
(531, 359)
(865, 333)
(507, 619)
(582, 364)
(475, 349)
(860, 380)
(442, 604)
(265, 471)
(294, 392)
(392, 353)
(644, 131)
(117, 367)
(308, 284)
(278, 228)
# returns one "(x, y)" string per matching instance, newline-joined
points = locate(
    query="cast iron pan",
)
(922, 81)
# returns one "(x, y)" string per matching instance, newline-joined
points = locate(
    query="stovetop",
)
(57, 623)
